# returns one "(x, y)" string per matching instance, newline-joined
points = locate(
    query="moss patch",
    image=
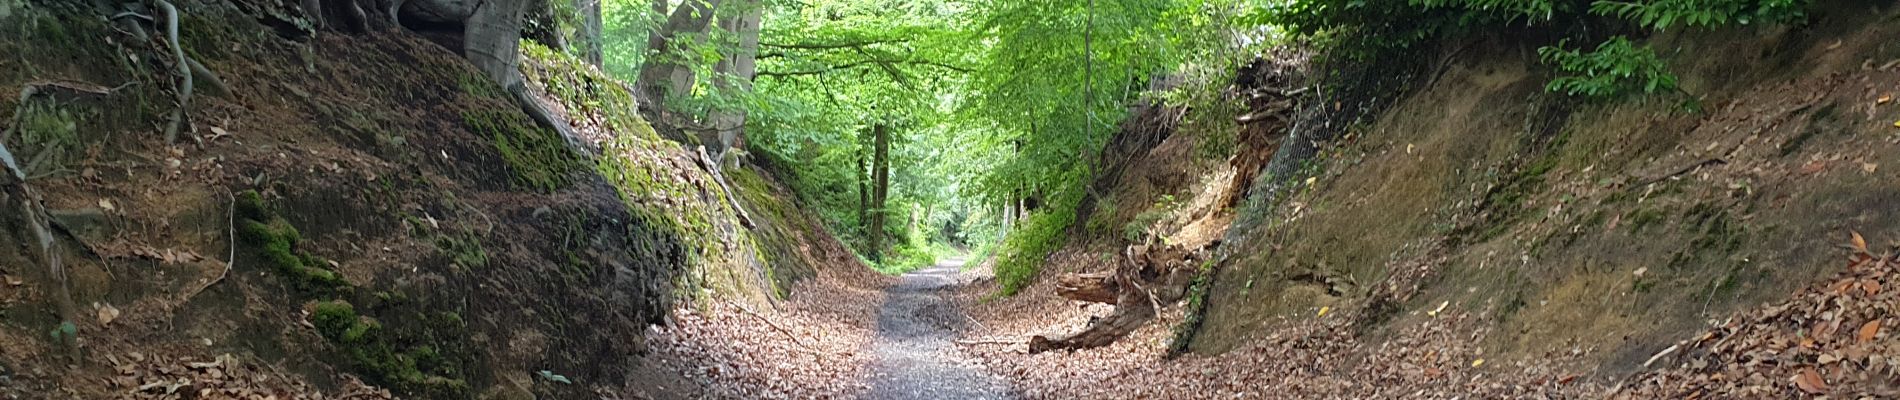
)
(538, 158)
(276, 243)
(415, 369)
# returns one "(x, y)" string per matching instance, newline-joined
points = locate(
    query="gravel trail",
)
(916, 358)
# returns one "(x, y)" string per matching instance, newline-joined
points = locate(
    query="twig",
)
(991, 341)
(788, 333)
(230, 220)
(1659, 356)
(1680, 172)
(979, 325)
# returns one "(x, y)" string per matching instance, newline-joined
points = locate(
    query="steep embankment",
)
(349, 216)
(1480, 235)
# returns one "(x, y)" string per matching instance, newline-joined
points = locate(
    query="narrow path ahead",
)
(915, 356)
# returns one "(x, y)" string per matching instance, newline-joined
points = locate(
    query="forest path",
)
(915, 356)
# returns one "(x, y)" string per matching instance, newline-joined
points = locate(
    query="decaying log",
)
(1144, 279)
(1097, 287)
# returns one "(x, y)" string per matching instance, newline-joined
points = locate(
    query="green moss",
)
(275, 241)
(49, 136)
(1643, 218)
(371, 350)
(538, 158)
(465, 251)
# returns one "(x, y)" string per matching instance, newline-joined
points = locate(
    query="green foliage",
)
(1028, 246)
(538, 158)
(1617, 68)
(1662, 14)
(49, 137)
(1136, 231)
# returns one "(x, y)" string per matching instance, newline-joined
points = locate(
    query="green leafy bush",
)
(1662, 14)
(1615, 69)
(1028, 246)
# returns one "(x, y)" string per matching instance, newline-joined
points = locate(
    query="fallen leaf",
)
(1309, 181)
(1860, 243)
(107, 313)
(1870, 286)
(107, 205)
(1883, 99)
(1810, 381)
(1477, 362)
(1869, 330)
(1323, 310)
(1816, 166)
(1639, 271)
(14, 281)
(1441, 307)
(1869, 167)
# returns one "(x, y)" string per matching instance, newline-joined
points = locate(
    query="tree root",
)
(13, 186)
(230, 260)
(184, 71)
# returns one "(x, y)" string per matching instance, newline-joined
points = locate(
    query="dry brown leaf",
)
(1870, 286)
(1869, 330)
(107, 313)
(1860, 243)
(1813, 167)
(14, 280)
(1810, 381)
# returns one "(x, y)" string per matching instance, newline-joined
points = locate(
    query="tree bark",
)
(588, 38)
(737, 71)
(664, 72)
(542, 25)
(881, 172)
(864, 189)
(491, 40)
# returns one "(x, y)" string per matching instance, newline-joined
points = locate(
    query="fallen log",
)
(1097, 287)
(1143, 280)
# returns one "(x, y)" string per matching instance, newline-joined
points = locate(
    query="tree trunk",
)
(881, 172)
(736, 73)
(864, 190)
(588, 37)
(542, 25)
(664, 72)
(491, 40)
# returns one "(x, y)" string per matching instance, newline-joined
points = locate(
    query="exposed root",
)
(14, 187)
(184, 70)
(230, 260)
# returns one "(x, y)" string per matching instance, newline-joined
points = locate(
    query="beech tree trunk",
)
(588, 37)
(542, 26)
(665, 72)
(736, 72)
(491, 40)
(881, 173)
(864, 190)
